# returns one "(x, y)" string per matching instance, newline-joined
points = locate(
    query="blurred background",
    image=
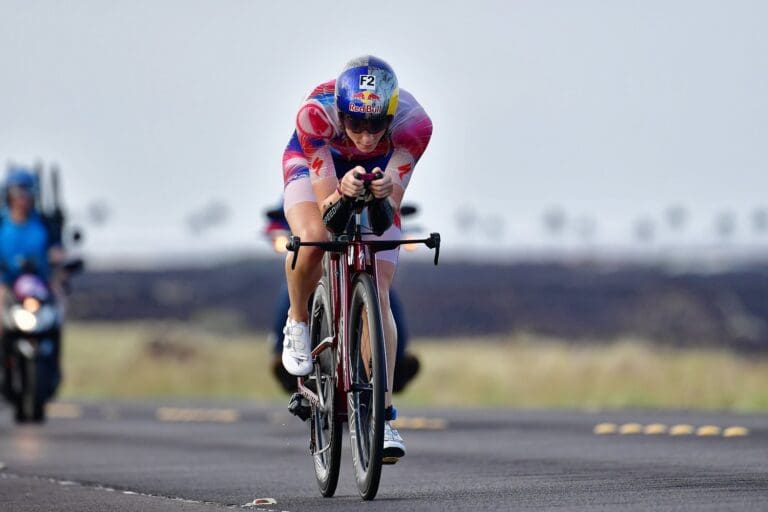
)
(597, 171)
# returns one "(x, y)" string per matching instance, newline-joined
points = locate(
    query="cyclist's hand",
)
(383, 187)
(351, 186)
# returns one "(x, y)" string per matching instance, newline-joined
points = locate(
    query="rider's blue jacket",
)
(29, 240)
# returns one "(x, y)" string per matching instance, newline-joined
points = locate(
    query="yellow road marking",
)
(419, 423)
(655, 429)
(735, 432)
(63, 410)
(604, 428)
(708, 430)
(630, 428)
(191, 415)
(681, 430)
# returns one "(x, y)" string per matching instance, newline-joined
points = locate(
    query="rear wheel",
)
(325, 426)
(368, 379)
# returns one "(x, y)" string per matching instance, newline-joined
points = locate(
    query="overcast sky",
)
(613, 110)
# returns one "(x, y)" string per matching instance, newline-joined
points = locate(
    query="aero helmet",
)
(367, 88)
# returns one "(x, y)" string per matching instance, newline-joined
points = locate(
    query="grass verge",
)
(174, 361)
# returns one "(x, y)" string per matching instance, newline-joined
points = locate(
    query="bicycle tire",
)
(366, 398)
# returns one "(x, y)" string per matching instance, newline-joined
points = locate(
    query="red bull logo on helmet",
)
(367, 98)
(364, 109)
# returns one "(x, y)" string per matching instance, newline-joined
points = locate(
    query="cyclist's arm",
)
(322, 173)
(411, 132)
(314, 130)
(399, 170)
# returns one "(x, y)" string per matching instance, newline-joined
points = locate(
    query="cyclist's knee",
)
(306, 223)
(312, 232)
(310, 258)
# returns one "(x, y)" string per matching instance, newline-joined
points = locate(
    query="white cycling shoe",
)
(394, 446)
(297, 355)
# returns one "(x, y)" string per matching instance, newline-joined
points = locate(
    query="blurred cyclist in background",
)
(406, 363)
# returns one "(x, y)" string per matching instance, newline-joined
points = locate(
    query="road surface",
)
(206, 457)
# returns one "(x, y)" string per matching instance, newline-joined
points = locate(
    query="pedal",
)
(299, 407)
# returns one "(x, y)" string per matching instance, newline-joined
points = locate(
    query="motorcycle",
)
(31, 343)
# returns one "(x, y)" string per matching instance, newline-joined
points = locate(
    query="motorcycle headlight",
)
(24, 320)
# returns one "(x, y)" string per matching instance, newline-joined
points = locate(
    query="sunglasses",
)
(372, 125)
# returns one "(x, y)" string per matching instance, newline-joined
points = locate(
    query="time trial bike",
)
(349, 377)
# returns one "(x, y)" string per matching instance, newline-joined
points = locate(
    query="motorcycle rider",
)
(26, 239)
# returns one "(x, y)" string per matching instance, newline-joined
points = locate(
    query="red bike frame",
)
(347, 256)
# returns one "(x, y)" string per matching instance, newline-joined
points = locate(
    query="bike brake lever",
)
(435, 237)
(293, 245)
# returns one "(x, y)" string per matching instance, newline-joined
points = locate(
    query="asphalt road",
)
(150, 457)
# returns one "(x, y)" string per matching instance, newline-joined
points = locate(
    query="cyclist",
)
(361, 122)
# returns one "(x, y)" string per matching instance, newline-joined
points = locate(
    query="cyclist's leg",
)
(386, 265)
(303, 216)
(306, 223)
(386, 273)
(304, 219)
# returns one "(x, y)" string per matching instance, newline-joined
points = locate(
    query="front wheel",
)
(368, 379)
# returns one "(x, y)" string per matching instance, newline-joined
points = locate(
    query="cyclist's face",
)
(19, 199)
(365, 141)
(365, 133)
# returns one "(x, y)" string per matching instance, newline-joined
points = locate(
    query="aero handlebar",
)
(342, 242)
